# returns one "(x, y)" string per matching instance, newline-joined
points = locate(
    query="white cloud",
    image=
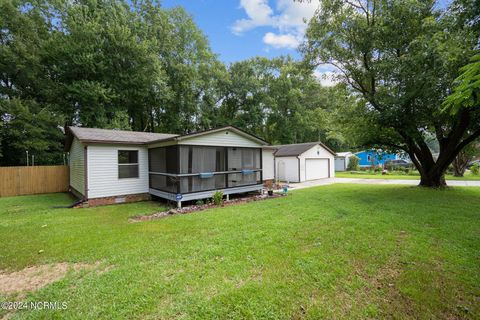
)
(259, 14)
(288, 18)
(326, 77)
(280, 40)
(293, 13)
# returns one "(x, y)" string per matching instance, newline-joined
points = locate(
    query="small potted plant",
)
(270, 191)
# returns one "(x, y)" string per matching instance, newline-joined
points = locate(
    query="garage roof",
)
(343, 154)
(293, 150)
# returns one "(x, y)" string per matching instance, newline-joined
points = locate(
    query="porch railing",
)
(196, 182)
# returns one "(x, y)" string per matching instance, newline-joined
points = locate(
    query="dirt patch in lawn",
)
(382, 286)
(196, 208)
(36, 277)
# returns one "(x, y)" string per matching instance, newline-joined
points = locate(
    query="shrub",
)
(378, 169)
(449, 169)
(353, 163)
(199, 202)
(475, 169)
(218, 198)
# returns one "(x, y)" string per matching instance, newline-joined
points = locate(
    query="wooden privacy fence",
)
(16, 181)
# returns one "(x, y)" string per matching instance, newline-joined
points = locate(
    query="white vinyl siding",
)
(103, 180)
(77, 169)
(316, 152)
(293, 169)
(268, 164)
(224, 138)
(287, 168)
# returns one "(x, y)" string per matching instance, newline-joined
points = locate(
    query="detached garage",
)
(342, 160)
(304, 161)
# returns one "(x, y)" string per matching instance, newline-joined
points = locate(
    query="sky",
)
(241, 29)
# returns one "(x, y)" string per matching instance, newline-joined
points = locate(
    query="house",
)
(341, 160)
(113, 166)
(304, 161)
(369, 158)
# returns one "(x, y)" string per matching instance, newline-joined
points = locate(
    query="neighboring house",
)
(112, 166)
(304, 161)
(369, 158)
(341, 160)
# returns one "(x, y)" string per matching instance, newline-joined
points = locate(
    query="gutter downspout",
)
(85, 173)
(299, 179)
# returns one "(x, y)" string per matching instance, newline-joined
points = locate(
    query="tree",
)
(280, 100)
(463, 158)
(466, 94)
(400, 58)
(106, 64)
(26, 126)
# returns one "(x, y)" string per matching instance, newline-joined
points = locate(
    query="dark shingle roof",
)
(116, 136)
(94, 135)
(293, 150)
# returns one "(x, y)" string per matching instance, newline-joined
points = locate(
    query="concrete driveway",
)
(322, 182)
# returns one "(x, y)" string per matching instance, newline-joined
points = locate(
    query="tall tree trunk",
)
(433, 181)
(432, 173)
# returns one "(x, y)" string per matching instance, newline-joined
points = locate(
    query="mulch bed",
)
(196, 208)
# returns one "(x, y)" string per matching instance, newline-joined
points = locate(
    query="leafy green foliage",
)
(400, 58)
(475, 169)
(218, 198)
(466, 94)
(28, 126)
(133, 65)
(353, 163)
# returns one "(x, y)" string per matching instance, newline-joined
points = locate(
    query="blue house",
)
(370, 158)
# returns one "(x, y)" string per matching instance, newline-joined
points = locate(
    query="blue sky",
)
(241, 29)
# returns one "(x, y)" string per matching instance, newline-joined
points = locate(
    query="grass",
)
(338, 251)
(378, 175)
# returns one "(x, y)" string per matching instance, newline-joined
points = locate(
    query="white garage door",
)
(316, 169)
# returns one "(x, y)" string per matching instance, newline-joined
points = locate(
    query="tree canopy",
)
(400, 58)
(409, 78)
(136, 66)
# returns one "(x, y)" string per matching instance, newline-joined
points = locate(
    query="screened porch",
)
(196, 170)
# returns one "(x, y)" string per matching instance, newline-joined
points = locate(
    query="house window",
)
(127, 164)
(369, 158)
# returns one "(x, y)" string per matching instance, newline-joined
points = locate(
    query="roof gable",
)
(222, 132)
(293, 150)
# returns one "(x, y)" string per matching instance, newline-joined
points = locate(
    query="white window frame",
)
(128, 164)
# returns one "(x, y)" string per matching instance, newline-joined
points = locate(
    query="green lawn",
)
(338, 251)
(378, 175)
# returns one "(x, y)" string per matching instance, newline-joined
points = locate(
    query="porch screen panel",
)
(234, 159)
(240, 179)
(163, 160)
(157, 160)
(201, 160)
(163, 183)
(243, 159)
